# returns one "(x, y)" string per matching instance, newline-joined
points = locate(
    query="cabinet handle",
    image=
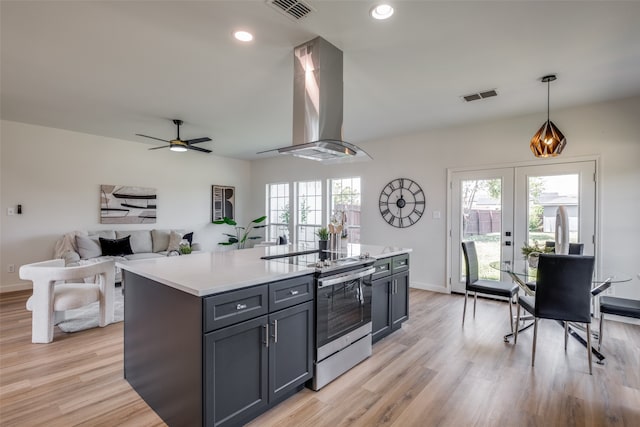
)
(266, 335)
(275, 332)
(241, 306)
(294, 292)
(395, 286)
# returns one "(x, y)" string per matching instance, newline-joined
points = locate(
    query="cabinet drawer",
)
(233, 307)
(400, 263)
(383, 268)
(290, 292)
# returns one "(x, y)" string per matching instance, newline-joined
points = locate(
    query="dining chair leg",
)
(475, 300)
(589, 346)
(515, 335)
(600, 331)
(566, 334)
(464, 309)
(535, 338)
(510, 302)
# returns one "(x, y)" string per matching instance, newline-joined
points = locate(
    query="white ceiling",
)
(117, 68)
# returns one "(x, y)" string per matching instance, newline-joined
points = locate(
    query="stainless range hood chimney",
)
(317, 105)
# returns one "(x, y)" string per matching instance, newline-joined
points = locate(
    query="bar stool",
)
(618, 306)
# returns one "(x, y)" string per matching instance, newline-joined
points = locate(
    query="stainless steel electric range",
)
(342, 311)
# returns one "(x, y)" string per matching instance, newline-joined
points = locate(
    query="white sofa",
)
(82, 248)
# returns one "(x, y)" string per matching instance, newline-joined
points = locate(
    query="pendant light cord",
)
(548, 96)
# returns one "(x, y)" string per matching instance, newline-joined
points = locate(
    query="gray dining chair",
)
(487, 287)
(574, 249)
(563, 293)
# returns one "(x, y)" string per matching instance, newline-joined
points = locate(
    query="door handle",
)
(507, 243)
(266, 335)
(275, 332)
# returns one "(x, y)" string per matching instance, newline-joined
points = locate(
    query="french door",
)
(503, 209)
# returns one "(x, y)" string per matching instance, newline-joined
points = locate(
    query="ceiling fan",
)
(179, 144)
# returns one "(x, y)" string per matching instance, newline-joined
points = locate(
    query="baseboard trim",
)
(16, 287)
(429, 287)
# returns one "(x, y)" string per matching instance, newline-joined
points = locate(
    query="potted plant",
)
(531, 252)
(323, 239)
(242, 233)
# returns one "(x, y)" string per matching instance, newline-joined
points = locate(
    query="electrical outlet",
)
(11, 268)
(11, 211)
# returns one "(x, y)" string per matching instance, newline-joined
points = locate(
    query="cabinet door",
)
(236, 363)
(380, 308)
(399, 299)
(290, 349)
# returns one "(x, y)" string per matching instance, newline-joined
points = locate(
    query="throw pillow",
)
(88, 247)
(160, 240)
(189, 237)
(140, 240)
(116, 247)
(174, 241)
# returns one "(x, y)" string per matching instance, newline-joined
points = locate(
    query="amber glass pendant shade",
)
(548, 141)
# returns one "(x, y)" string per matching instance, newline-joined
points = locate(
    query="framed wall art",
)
(223, 202)
(121, 204)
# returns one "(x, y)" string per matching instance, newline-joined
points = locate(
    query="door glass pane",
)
(546, 194)
(482, 223)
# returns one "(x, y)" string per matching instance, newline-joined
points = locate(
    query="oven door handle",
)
(346, 278)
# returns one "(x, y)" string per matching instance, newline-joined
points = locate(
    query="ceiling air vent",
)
(480, 95)
(294, 9)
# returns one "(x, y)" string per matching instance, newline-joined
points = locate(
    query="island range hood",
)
(317, 106)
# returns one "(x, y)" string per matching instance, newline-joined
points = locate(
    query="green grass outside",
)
(488, 249)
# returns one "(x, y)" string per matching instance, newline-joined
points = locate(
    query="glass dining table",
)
(601, 282)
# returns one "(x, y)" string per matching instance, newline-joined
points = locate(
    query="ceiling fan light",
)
(178, 148)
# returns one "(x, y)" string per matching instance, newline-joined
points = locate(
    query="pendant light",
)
(548, 141)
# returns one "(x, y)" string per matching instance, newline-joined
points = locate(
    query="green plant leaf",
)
(259, 220)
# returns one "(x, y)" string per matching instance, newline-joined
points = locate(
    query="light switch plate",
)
(436, 214)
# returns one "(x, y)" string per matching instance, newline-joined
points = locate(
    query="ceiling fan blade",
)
(204, 150)
(197, 140)
(152, 137)
(157, 148)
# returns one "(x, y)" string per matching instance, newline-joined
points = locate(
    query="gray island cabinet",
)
(217, 360)
(390, 295)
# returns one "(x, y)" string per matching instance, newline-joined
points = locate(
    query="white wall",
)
(608, 130)
(56, 176)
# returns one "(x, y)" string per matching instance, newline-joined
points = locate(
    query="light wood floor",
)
(432, 372)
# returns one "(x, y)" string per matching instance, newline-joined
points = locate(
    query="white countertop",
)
(208, 273)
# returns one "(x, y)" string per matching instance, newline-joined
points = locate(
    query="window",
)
(302, 208)
(344, 206)
(279, 212)
(309, 210)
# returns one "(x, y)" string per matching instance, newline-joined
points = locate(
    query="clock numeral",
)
(411, 221)
(401, 182)
(419, 202)
(391, 219)
(401, 222)
(385, 212)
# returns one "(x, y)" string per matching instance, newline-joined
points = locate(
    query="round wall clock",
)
(402, 202)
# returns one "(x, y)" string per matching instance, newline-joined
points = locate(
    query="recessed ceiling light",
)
(382, 11)
(243, 36)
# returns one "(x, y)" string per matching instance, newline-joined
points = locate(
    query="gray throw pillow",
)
(88, 247)
(174, 241)
(140, 240)
(160, 240)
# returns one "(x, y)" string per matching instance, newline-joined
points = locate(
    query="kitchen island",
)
(218, 338)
